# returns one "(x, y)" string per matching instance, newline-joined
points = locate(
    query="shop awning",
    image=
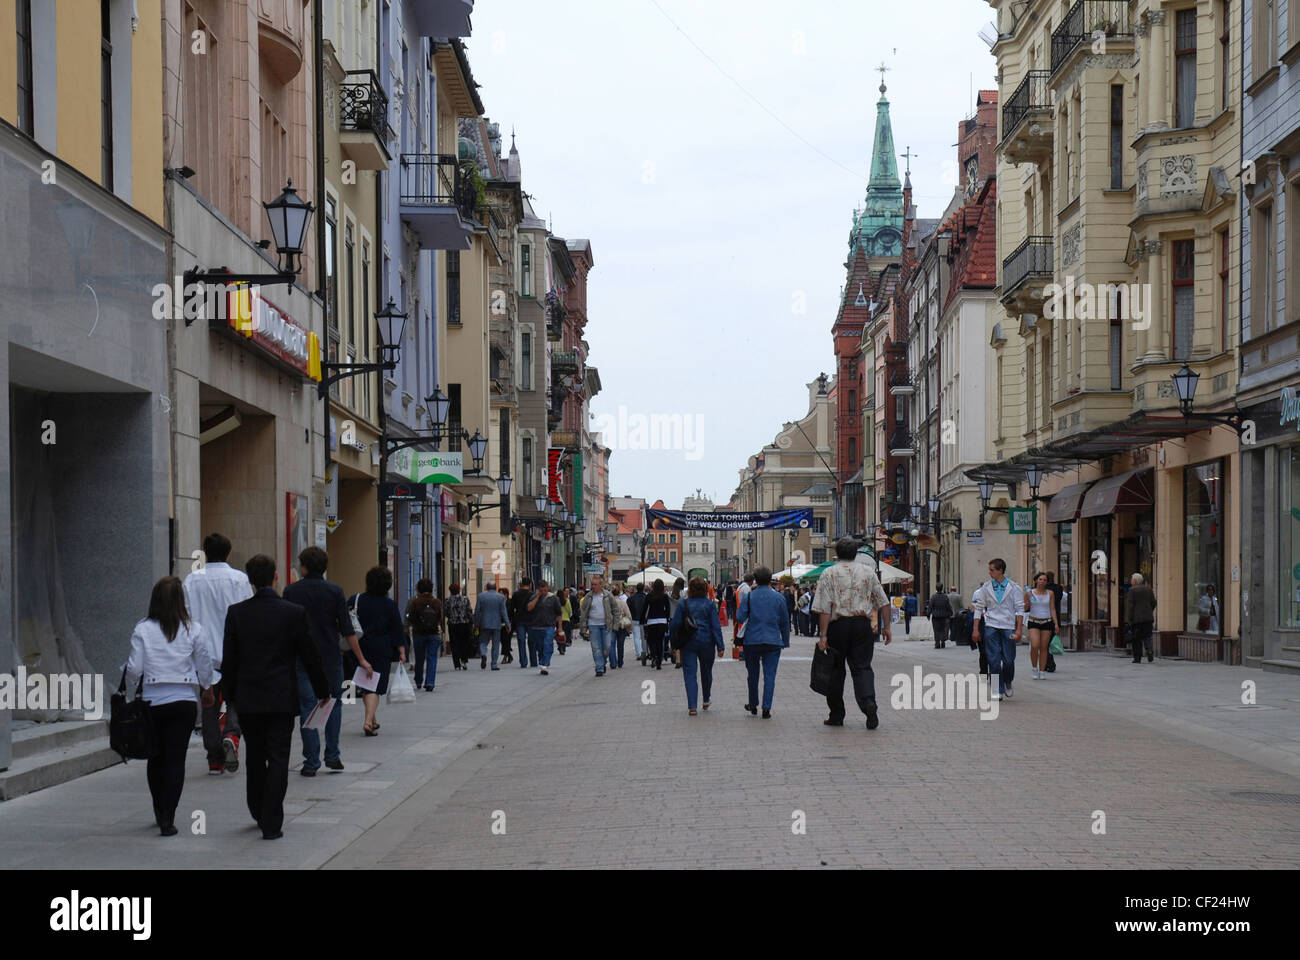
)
(1064, 507)
(1128, 492)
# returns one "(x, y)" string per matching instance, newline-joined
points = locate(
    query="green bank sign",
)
(442, 466)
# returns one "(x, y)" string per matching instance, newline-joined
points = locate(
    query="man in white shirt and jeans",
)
(1000, 603)
(209, 593)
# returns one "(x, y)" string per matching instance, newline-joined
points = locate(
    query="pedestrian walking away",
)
(170, 653)
(999, 606)
(209, 593)
(520, 617)
(624, 623)
(851, 606)
(738, 624)
(767, 632)
(328, 623)
(545, 625)
(598, 616)
(697, 635)
(939, 610)
(636, 606)
(383, 640)
(460, 627)
(909, 610)
(1140, 614)
(490, 617)
(675, 596)
(1040, 610)
(564, 635)
(508, 629)
(654, 618)
(265, 638)
(424, 623)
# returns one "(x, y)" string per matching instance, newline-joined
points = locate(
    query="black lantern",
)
(934, 506)
(1185, 381)
(1034, 477)
(439, 407)
(539, 502)
(477, 447)
(289, 215)
(503, 484)
(986, 490)
(392, 329)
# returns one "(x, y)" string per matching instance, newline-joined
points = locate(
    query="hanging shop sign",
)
(687, 520)
(1022, 520)
(554, 474)
(401, 491)
(261, 322)
(436, 466)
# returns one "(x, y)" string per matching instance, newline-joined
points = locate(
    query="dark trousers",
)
(940, 630)
(172, 723)
(656, 640)
(505, 641)
(266, 757)
(853, 638)
(1141, 638)
(907, 622)
(212, 732)
(462, 639)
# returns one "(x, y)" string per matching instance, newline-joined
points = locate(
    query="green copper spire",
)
(879, 228)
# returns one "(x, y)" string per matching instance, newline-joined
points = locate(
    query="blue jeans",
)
(307, 703)
(542, 641)
(427, 648)
(698, 653)
(638, 639)
(1000, 650)
(602, 645)
(620, 637)
(492, 634)
(767, 656)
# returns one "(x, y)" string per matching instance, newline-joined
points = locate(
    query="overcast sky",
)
(712, 224)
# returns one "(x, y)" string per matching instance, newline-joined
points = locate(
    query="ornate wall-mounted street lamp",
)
(289, 216)
(1185, 381)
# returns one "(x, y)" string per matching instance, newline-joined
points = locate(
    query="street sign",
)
(1022, 520)
(401, 491)
(975, 538)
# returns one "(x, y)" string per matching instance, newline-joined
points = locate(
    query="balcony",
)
(900, 384)
(564, 438)
(1027, 121)
(565, 362)
(900, 444)
(363, 120)
(1090, 22)
(1024, 273)
(554, 318)
(435, 202)
(491, 223)
(443, 19)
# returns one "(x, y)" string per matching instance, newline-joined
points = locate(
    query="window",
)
(454, 414)
(1185, 68)
(1184, 300)
(853, 400)
(526, 360)
(331, 284)
(672, 556)
(526, 270)
(899, 414)
(1224, 287)
(1117, 136)
(853, 449)
(1225, 52)
(1292, 269)
(998, 399)
(1264, 31)
(1116, 355)
(526, 465)
(818, 555)
(819, 524)
(350, 293)
(1066, 161)
(1098, 560)
(503, 443)
(662, 539)
(1046, 380)
(1203, 548)
(661, 556)
(26, 107)
(1288, 541)
(106, 93)
(275, 157)
(1065, 566)
(1031, 393)
(900, 481)
(1263, 279)
(453, 286)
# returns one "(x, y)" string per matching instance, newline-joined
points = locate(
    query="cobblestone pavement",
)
(592, 777)
(578, 772)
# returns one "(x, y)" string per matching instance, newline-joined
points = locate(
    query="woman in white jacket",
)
(170, 654)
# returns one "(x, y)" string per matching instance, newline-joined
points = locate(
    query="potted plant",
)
(1106, 26)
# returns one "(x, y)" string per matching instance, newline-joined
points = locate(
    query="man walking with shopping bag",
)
(848, 596)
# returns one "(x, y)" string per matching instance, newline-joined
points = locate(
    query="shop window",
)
(1288, 541)
(1065, 566)
(1203, 547)
(1099, 563)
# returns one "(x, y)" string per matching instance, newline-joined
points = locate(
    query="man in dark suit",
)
(264, 640)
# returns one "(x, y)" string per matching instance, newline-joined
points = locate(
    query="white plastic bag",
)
(400, 688)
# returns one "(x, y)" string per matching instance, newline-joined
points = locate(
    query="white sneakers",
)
(1036, 674)
(543, 672)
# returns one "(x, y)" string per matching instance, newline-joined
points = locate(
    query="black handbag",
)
(686, 632)
(130, 725)
(824, 664)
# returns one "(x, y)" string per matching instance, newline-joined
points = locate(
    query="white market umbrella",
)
(795, 571)
(650, 574)
(891, 574)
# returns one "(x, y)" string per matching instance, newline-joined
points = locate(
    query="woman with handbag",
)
(566, 614)
(1040, 604)
(173, 660)
(624, 624)
(460, 628)
(696, 634)
(383, 639)
(654, 623)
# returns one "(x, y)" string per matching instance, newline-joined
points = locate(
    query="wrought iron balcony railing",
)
(363, 105)
(1109, 18)
(1030, 95)
(1031, 258)
(565, 362)
(433, 179)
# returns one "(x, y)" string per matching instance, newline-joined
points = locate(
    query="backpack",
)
(425, 619)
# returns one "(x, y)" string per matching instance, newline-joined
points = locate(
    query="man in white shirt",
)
(1000, 604)
(738, 626)
(209, 592)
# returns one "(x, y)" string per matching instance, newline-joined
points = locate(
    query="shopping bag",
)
(1055, 648)
(823, 669)
(400, 688)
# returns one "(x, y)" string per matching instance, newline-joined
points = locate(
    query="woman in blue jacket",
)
(698, 647)
(767, 632)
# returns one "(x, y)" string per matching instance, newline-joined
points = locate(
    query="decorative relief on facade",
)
(1164, 388)
(1178, 176)
(1142, 183)
(1220, 383)
(1170, 141)
(1070, 244)
(1140, 392)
